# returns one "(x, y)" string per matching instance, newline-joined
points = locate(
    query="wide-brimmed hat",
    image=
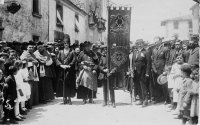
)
(162, 79)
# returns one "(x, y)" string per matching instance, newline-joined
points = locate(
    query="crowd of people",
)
(168, 72)
(35, 73)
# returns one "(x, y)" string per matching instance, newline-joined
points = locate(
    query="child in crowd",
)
(10, 97)
(191, 100)
(174, 79)
(169, 83)
(185, 86)
(21, 98)
(27, 88)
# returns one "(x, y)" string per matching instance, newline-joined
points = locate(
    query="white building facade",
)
(180, 27)
(196, 18)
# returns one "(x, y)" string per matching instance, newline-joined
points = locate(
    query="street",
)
(54, 113)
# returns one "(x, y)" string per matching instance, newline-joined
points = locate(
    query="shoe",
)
(22, 117)
(178, 117)
(90, 101)
(166, 103)
(4, 122)
(104, 104)
(23, 112)
(84, 101)
(13, 121)
(113, 105)
(138, 102)
(145, 103)
(70, 102)
(17, 118)
(169, 109)
(134, 100)
(176, 112)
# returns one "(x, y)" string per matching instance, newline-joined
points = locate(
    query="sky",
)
(147, 15)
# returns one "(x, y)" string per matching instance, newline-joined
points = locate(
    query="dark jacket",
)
(194, 57)
(159, 58)
(11, 91)
(141, 62)
(102, 66)
(68, 59)
(186, 54)
(172, 56)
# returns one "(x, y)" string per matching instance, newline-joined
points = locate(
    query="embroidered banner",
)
(119, 41)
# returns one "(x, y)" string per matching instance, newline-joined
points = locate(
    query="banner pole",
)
(108, 57)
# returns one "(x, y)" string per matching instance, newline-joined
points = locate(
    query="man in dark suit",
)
(194, 51)
(173, 53)
(108, 89)
(140, 66)
(159, 59)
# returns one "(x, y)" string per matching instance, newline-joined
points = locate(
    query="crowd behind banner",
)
(35, 73)
(167, 72)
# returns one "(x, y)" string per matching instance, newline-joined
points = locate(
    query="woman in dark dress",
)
(66, 60)
(87, 78)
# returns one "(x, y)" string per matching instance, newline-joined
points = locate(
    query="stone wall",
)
(22, 25)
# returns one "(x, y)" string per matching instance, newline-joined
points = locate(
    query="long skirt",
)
(34, 100)
(85, 93)
(70, 86)
(45, 89)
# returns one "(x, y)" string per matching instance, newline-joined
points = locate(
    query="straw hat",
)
(162, 79)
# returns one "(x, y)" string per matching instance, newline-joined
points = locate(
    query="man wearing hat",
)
(159, 60)
(140, 65)
(107, 88)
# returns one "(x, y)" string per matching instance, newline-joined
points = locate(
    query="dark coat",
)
(7, 64)
(141, 63)
(159, 58)
(70, 74)
(102, 66)
(194, 57)
(172, 56)
(11, 91)
(186, 54)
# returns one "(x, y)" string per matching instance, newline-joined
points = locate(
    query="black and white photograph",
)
(99, 62)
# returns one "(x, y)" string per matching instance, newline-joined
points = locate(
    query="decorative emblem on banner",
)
(118, 58)
(119, 23)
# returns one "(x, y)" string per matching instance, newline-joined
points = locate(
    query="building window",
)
(59, 15)
(36, 8)
(36, 38)
(77, 17)
(176, 25)
(190, 25)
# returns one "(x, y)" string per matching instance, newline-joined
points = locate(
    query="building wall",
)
(68, 22)
(183, 30)
(196, 19)
(52, 19)
(93, 34)
(22, 25)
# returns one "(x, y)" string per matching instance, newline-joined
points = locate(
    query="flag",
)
(1, 2)
(119, 42)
